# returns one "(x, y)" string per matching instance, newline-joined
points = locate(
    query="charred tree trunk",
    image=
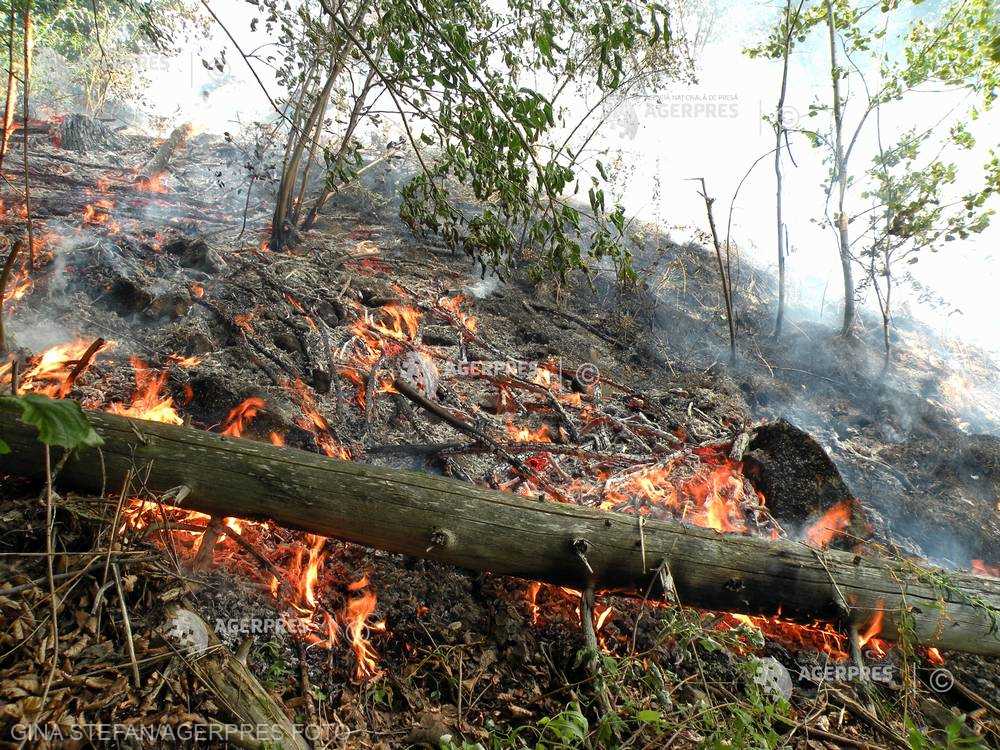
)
(442, 519)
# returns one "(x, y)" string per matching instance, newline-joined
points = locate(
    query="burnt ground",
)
(487, 659)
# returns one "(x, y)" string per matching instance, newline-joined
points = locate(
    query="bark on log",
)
(442, 519)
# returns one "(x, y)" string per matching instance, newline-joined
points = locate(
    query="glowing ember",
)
(153, 184)
(148, 401)
(983, 569)
(526, 435)
(830, 525)
(99, 213)
(453, 306)
(241, 416)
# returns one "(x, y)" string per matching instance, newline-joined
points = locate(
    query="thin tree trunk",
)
(314, 144)
(279, 234)
(28, 44)
(779, 133)
(352, 124)
(283, 222)
(841, 168)
(723, 276)
(10, 101)
(887, 308)
(8, 268)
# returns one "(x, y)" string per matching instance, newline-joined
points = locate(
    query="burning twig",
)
(81, 365)
(439, 411)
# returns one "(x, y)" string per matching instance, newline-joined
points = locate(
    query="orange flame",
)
(241, 415)
(153, 183)
(983, 569)
(148, 401)
(311, 576)
(315, 423)
(830, 525)
(453, 306)
(526, 435)
(356, 613)
(49, 371)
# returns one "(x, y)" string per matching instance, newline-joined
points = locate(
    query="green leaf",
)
(648, 717)
(4, 448)
(59, 422)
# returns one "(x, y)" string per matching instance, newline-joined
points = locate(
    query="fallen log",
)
(441, 519)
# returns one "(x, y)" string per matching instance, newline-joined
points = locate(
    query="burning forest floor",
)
(144, 302)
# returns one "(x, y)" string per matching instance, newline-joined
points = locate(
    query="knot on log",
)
(581, 547)
(442, 539)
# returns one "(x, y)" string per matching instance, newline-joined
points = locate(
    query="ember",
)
(983, 569)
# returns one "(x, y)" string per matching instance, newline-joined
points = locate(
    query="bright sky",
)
(713, 130)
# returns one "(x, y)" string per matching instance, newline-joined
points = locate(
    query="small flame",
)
(315, 423)
(453, 306)
(48, 373)
(867, 637)
(981, 568)
(356, 613)
(148, 401)
(241, 416)
(527, 435)
(311, 576)
(830, 525)
(153, 184)
(99, 213)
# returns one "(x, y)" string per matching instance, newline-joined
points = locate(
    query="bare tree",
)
(790, 24)
(840, 175)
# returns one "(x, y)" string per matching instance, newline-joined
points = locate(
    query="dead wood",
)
(160, 162)
(229, 679)
(441, 519)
